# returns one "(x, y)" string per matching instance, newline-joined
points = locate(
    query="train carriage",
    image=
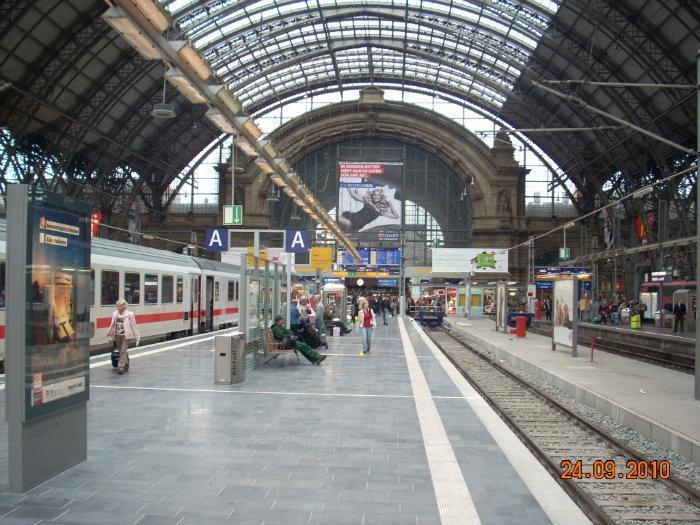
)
(171, 294)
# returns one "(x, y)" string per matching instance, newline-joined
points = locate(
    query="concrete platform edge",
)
(653, 430)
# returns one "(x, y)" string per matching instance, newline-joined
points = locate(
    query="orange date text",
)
(609, 469)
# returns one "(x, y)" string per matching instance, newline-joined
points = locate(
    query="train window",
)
(92, 287)
(2, 285)
(167, 293)
(150, 288)
(109, 288)
(236, 290)
(180, 289)
(216, 291)
(132, 288)
(231, 290)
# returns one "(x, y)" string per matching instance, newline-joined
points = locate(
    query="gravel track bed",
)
(561, 436)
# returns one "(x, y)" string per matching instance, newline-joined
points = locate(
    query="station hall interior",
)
(349, 261)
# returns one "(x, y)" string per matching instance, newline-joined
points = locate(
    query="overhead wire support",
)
(611, 204)
(593, 109)
(620, 84)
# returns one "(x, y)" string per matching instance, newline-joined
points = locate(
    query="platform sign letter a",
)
(296, 241)
(217, 240)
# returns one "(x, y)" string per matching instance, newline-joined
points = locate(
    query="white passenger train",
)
(171, 294)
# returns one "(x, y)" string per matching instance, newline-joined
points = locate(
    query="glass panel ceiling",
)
(266, 49)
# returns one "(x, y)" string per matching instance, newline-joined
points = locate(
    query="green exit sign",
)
(565, 254)
(233, 215)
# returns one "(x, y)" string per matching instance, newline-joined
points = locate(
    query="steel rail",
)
(674, 483)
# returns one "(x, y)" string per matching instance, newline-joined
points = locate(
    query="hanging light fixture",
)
(163, 109)
(274, 196)
(295, 217)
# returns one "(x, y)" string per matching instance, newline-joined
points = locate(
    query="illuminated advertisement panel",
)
(57, 309)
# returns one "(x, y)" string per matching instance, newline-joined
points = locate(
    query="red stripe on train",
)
(104, 322)
(2, 331)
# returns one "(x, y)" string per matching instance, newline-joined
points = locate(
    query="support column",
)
(697, 232)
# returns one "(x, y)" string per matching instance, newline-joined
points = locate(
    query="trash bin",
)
(615, 318)
(229, 359)
(520, 325)
(657, 318)
(635, 322)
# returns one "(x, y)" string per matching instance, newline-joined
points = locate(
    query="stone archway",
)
(494, 181)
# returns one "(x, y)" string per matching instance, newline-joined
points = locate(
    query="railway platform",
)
(655, 401)
(396, 436)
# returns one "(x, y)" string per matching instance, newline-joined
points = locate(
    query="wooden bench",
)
(274, 348)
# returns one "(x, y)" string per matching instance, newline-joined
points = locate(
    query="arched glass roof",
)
(266, 49)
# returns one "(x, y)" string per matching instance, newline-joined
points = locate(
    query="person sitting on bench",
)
(289, 340)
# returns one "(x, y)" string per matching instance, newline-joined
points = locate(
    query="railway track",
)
(611, 483)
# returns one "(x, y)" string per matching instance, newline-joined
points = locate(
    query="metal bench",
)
(274, 348)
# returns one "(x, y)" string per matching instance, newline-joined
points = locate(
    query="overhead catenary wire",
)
(619, 84)
(569, 224)
(150, 236)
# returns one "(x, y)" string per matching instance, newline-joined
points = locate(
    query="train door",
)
(207, 322)
(194, 305)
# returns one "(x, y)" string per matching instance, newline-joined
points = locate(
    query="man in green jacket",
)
(280, 333)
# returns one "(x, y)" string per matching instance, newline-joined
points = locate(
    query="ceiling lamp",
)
(122, 24)
(246, 147)
(294, 216)
(289, 192)
(227, 98)
(184, 86)
(274, 196)
(263, 165)
(154, 13)
(279, 181)
(248, 125)
(282, 165)
(163, 109)
(193, 59)
(299, 202)
(220, 120)
(267, 147)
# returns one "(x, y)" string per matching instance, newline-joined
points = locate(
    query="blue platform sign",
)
(296, 241)
(217, 240)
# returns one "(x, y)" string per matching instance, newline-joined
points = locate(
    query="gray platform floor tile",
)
(295, 443)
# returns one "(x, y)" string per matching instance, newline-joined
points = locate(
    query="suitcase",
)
(115, 355)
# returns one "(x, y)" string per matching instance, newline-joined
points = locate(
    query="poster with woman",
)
(369, 200)
(564, 316)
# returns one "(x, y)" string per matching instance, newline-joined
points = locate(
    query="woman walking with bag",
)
(121, 331)
(367, 322)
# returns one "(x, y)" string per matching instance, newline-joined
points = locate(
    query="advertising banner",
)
(370, 200)
(501, 307)
(564, 313)
(58, 309)
(479, 260)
